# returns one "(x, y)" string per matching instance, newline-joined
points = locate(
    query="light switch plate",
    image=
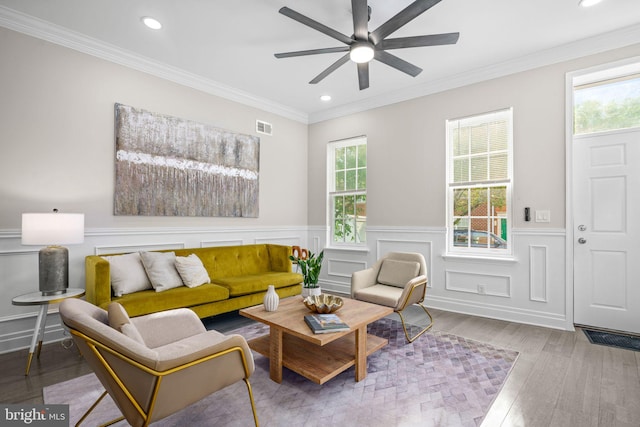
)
(543, 216)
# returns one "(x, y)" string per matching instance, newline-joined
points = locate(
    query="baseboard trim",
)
(510, 314)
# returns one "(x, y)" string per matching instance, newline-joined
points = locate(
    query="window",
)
(607, 105)
(347, 163)
(479, 177)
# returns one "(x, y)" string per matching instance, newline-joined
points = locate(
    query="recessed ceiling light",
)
(325, 98)
(588, 3)
(152, 23)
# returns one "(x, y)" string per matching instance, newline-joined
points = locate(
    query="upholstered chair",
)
(397, 280)
(155, 365)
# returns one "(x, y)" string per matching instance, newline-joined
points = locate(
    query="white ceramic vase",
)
(271, 299)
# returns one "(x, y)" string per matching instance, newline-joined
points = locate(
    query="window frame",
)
(507, 182)
(332, 193)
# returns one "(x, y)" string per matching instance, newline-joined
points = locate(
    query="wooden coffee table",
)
(318, 357)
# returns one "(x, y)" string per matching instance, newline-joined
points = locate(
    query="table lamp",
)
(53, 229)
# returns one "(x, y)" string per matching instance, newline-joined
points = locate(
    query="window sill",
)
(479, 258)
(363, 249)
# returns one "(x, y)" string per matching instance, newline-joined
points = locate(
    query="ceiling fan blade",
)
(397, 63)
(312, 52)
(363, 75)
(419, 41)
(315, 25)
(330, 70)
(401, 18)
(360, 19)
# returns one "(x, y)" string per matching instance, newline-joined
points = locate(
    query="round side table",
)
(36, 298)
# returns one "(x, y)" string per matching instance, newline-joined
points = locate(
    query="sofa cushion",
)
(192, 271)
(380, 294)
(120, 321)
(249, 284)
(150, 301)
(127, 274)
(397, 273)
(235, 261)
(161, 269)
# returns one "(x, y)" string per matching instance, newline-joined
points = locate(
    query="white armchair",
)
(397, 280)
(155, 365)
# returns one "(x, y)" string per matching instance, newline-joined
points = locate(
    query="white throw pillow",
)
(161, 269)
(192, 271)
(127, 274)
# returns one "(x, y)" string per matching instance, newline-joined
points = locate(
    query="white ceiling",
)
(228, 45)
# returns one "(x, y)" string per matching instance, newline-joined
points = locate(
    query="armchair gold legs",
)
(404, 326)
(86, 414)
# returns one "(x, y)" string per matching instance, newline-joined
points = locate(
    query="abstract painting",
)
(167, 166)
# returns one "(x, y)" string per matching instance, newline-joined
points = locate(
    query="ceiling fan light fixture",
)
(325, 98)
(361, 52)
(150, 22)
(588, 3)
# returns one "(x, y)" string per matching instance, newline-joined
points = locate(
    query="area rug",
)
(439, 379)
(627, 342)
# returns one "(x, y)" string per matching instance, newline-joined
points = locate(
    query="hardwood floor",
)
(560, 379)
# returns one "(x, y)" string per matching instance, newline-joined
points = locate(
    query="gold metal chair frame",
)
(399, 311)
(95, 346)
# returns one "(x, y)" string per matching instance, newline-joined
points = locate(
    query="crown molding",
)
(56, 34)
(578, 49)
(47, 31)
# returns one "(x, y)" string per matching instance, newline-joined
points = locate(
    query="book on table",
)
(325, 323)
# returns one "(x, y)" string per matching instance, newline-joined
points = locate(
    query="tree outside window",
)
(347, 160)
(607, 105)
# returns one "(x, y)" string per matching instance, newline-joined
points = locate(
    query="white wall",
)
(406, 159)
(57, 151)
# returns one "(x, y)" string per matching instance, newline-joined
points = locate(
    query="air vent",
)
(264, 127)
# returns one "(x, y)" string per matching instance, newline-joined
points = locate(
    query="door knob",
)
(582, 227)
(582, 240)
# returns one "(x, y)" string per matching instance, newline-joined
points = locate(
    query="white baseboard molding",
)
(510, 314)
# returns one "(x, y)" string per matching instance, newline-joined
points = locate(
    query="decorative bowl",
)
(323, 303)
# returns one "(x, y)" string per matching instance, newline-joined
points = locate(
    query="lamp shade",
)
(52, 228)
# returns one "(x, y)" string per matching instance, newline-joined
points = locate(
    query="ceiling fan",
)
(363, 46)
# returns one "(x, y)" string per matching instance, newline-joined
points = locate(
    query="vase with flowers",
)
(310, 269)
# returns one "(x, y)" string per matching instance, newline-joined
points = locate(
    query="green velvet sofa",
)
(239, 277)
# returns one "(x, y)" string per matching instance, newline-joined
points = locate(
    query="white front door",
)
(606, 214)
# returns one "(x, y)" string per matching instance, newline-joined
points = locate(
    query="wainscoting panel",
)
(528, 287)
(19, 265)
(17, 332)
(538, 278)
(343, 268)
(475, 283)
(217, 243)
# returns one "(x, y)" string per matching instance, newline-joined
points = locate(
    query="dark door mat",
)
(627, 342)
